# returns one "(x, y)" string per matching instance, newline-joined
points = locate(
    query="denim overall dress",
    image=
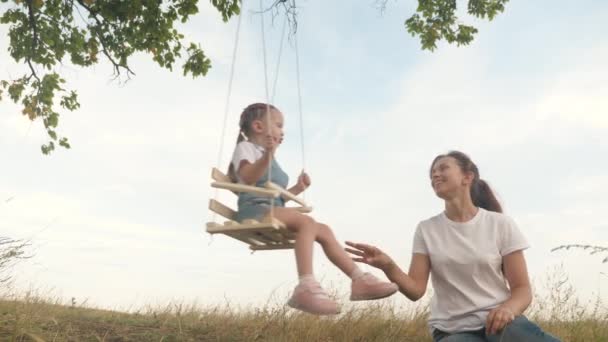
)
(252, 206)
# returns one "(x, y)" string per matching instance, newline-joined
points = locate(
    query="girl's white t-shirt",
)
(248, 151)
(466, 266)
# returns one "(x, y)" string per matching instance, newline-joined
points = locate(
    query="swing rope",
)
(268, 121)
(295, 38)
(228, 94)
(276, 71)
(267, 92)
(230, 80)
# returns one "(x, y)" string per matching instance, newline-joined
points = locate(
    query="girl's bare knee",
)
(325, 234)
(303, 222)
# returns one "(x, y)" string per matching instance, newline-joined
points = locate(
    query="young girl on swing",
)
(261, 132)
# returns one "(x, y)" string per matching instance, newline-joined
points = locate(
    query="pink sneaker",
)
(368, 287)
(310, 297)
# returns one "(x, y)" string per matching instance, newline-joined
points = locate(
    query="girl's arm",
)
(302, 184)
(250, 173)
(296, 190)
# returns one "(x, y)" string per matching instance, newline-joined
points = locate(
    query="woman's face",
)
(447, 178)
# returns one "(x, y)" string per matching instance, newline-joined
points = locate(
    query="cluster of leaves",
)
(435, 20)
(45, 33)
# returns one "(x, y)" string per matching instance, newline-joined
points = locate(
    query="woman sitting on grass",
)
(475, 255)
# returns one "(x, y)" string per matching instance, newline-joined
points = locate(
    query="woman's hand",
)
(370, 255)
(498, 318)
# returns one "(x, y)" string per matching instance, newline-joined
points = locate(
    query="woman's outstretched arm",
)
(412, 284)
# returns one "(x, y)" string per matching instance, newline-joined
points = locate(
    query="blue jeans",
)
(521, 329)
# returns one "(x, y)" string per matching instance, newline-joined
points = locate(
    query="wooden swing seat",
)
(270, 233)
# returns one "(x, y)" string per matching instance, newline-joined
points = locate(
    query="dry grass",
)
(31, 318)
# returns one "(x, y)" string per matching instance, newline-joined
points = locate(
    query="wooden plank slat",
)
(286, 194)
(246, 188)
(214, 228)
(303, 210)
(212, 225)
(288, 235)
(258, 237)
(252, 221)
(272, 247)
(243, 238)
(250, 237)
(267, 236)
(270, 234)
(272, 220)
(221, 209)
(282, 235)
(271, 237)
(220, 176)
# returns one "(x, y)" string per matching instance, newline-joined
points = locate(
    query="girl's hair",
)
(481, 193)
(255, 111)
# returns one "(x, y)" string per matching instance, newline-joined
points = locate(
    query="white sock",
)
(356, 273)
(305, 278)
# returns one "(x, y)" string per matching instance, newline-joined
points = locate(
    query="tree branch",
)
(34, 46)
(101, 39)
(591, 248)
(11, 251)
(381, 5)
(290, 10)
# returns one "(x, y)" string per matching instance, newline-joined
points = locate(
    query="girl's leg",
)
(334, 251)
(308, 295)
(306, 230)
(364, 286)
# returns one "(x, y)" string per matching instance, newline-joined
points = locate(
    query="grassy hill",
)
(34, 319)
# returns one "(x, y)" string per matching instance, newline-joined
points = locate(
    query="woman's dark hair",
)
(481, 193)
(255, 111)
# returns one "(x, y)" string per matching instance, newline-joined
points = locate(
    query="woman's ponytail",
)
(481, 193)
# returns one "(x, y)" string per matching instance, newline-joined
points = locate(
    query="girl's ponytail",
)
(231, 173)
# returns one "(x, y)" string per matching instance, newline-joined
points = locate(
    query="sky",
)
(118, 220)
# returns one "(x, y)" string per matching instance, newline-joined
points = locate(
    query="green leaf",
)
(436, 20)
(227, 8)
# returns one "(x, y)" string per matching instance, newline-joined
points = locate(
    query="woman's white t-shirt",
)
(466, 266)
